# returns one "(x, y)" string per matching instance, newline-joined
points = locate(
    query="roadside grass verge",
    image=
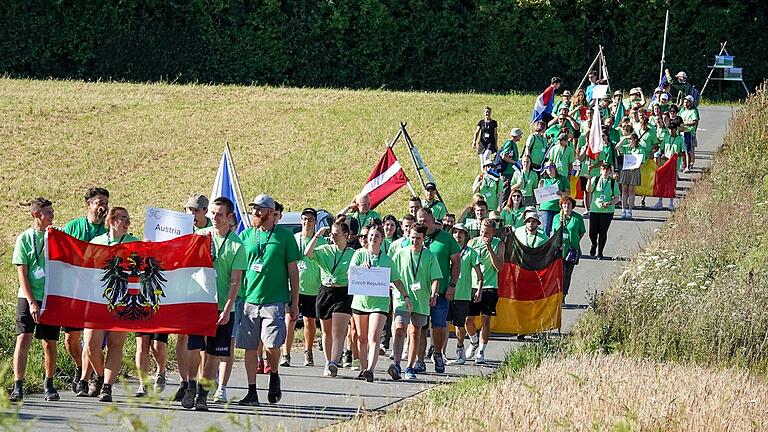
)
(697, 292)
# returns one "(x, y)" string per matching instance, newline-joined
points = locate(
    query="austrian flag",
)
(150, 287)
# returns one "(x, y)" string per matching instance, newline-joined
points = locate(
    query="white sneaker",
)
(480, 358)
(460, 359)
(221, 395)
(473, 346)
(160, 383)
(629, 214)
(327, 370)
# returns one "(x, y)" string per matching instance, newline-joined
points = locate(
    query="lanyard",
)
(418, 264)
(430, 239)
(370, 259)
(34, 246)
(226, 237)
(109, 239)
(259, 250)
(337, 259)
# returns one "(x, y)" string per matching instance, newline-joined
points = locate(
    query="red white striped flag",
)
(387, 177)
(152, 287)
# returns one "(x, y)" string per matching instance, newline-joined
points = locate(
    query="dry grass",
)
(592, 393)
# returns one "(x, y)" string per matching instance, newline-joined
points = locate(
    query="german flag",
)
(530, 287)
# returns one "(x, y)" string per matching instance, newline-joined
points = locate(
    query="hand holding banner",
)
(366, 281)
(546, 193)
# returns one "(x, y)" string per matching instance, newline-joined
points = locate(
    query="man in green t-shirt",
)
(271, 253)
(229, 263)
(490, 185)
(420, 273)
(86, 229)
(509, 154)
(29, 259)
(447, 252)
(459, 308)
(433, 201)
(690, 117)
(536, 145)
(360, 210)
(562, 154)
(491, 251)
(197, 206)
(530, 234)
(480, 212)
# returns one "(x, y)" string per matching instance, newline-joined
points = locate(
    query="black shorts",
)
(73, 329)
(160, 337)
(214, 345)
(359, 312)
(333, 300)
(487, 305)
(26, 324)
(458, 312)
(308, 306)
(583, 183)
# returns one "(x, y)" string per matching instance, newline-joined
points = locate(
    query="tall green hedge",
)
(450, 45)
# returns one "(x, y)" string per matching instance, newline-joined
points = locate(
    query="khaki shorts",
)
(405, 318)
(261, 323)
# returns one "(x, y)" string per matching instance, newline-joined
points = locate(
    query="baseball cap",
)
(460, 227)
(567, 93)
(430, 186)
(309, 211)
(263, 201)
(617, 93)
(562, 136)
(689, 98)
(664, 96)
(516, 132)
(197, 201)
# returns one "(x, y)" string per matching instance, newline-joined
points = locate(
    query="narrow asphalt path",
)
(311, 400)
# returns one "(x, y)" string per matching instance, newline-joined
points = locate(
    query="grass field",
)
(157, 144)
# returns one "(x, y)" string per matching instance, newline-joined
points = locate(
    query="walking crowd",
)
(444, 267)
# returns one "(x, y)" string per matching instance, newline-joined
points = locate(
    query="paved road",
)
(310, 400)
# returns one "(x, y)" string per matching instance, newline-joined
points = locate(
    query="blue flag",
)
(225, 185)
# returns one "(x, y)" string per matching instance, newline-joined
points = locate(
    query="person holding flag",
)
(433, 202)
(542, 108)
(360, 210)
(490, 185)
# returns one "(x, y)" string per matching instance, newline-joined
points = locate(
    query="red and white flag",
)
(387, 177)
(151, 287)
(595, 137)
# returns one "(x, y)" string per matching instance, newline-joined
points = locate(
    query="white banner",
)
(162, 224)
(546, 193)
(366, 281)
(631, 162)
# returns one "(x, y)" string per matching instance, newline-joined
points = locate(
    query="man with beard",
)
(271, 253)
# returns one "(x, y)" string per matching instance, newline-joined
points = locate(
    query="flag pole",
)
(664, 46)
(239, 192)
(411, 148)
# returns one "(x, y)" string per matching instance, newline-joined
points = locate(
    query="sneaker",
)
(76, 380)
(51, 395)
(480, 358)
(260, 366)
(355, 364)
(201, 404)
(106, 392)
(286, 361)
(267, 368)
(430, 352)
(82, 389)
(327, 370)
(585, 215)
(179, 395)
(309, 359)
(439, 363)
(394, 371)
(390, 354)
(221, 395)
(251, 399)
(460, 359)
(95, 385)
(671, 205)
(410, 374)
(275, 393)
(141, 391)
(361, 375)
(473, 346)
(658, 205)
(160, 383)
(346, 359)
(629, 214)
(368, 375)
(17, 394)
(420, 366)
(592, 252)
(333, 368)
(624, 215)
(188, 401)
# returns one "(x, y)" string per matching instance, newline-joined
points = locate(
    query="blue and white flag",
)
(226, 185)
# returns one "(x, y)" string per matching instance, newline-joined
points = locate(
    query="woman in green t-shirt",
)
(548, 209)
(605, 195)
(370, 312)
(390, 232)
(334, 305)
(512, 213)
(573, 230)
(526, 181)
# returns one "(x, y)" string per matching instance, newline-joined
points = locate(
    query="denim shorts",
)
(438, 313)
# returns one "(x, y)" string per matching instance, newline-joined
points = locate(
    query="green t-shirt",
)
(208, 224)
(443, 246)
(228, 255)
(490, 274)
(309, 272)
(648, 139)
(30, 251)
(562, 157)
(606, 190)
(531, 240)
(490, 188)
(333, 263)
(268, 254)
(672, 145)
(398, 244)
(416, 268)
(604, 155)
(469, 259)
(537, 146)
(83, 230)
(513, 218)
(438, 209)
(385, 244)
(562, 184)
(369, 303)
(689, 115)
(529, 181)
(574, 230)
(107, 240)
(510, 148)
(364, 219)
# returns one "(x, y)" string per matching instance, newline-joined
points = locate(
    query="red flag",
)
(151, 287)
(387, 177)
(665, 184)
